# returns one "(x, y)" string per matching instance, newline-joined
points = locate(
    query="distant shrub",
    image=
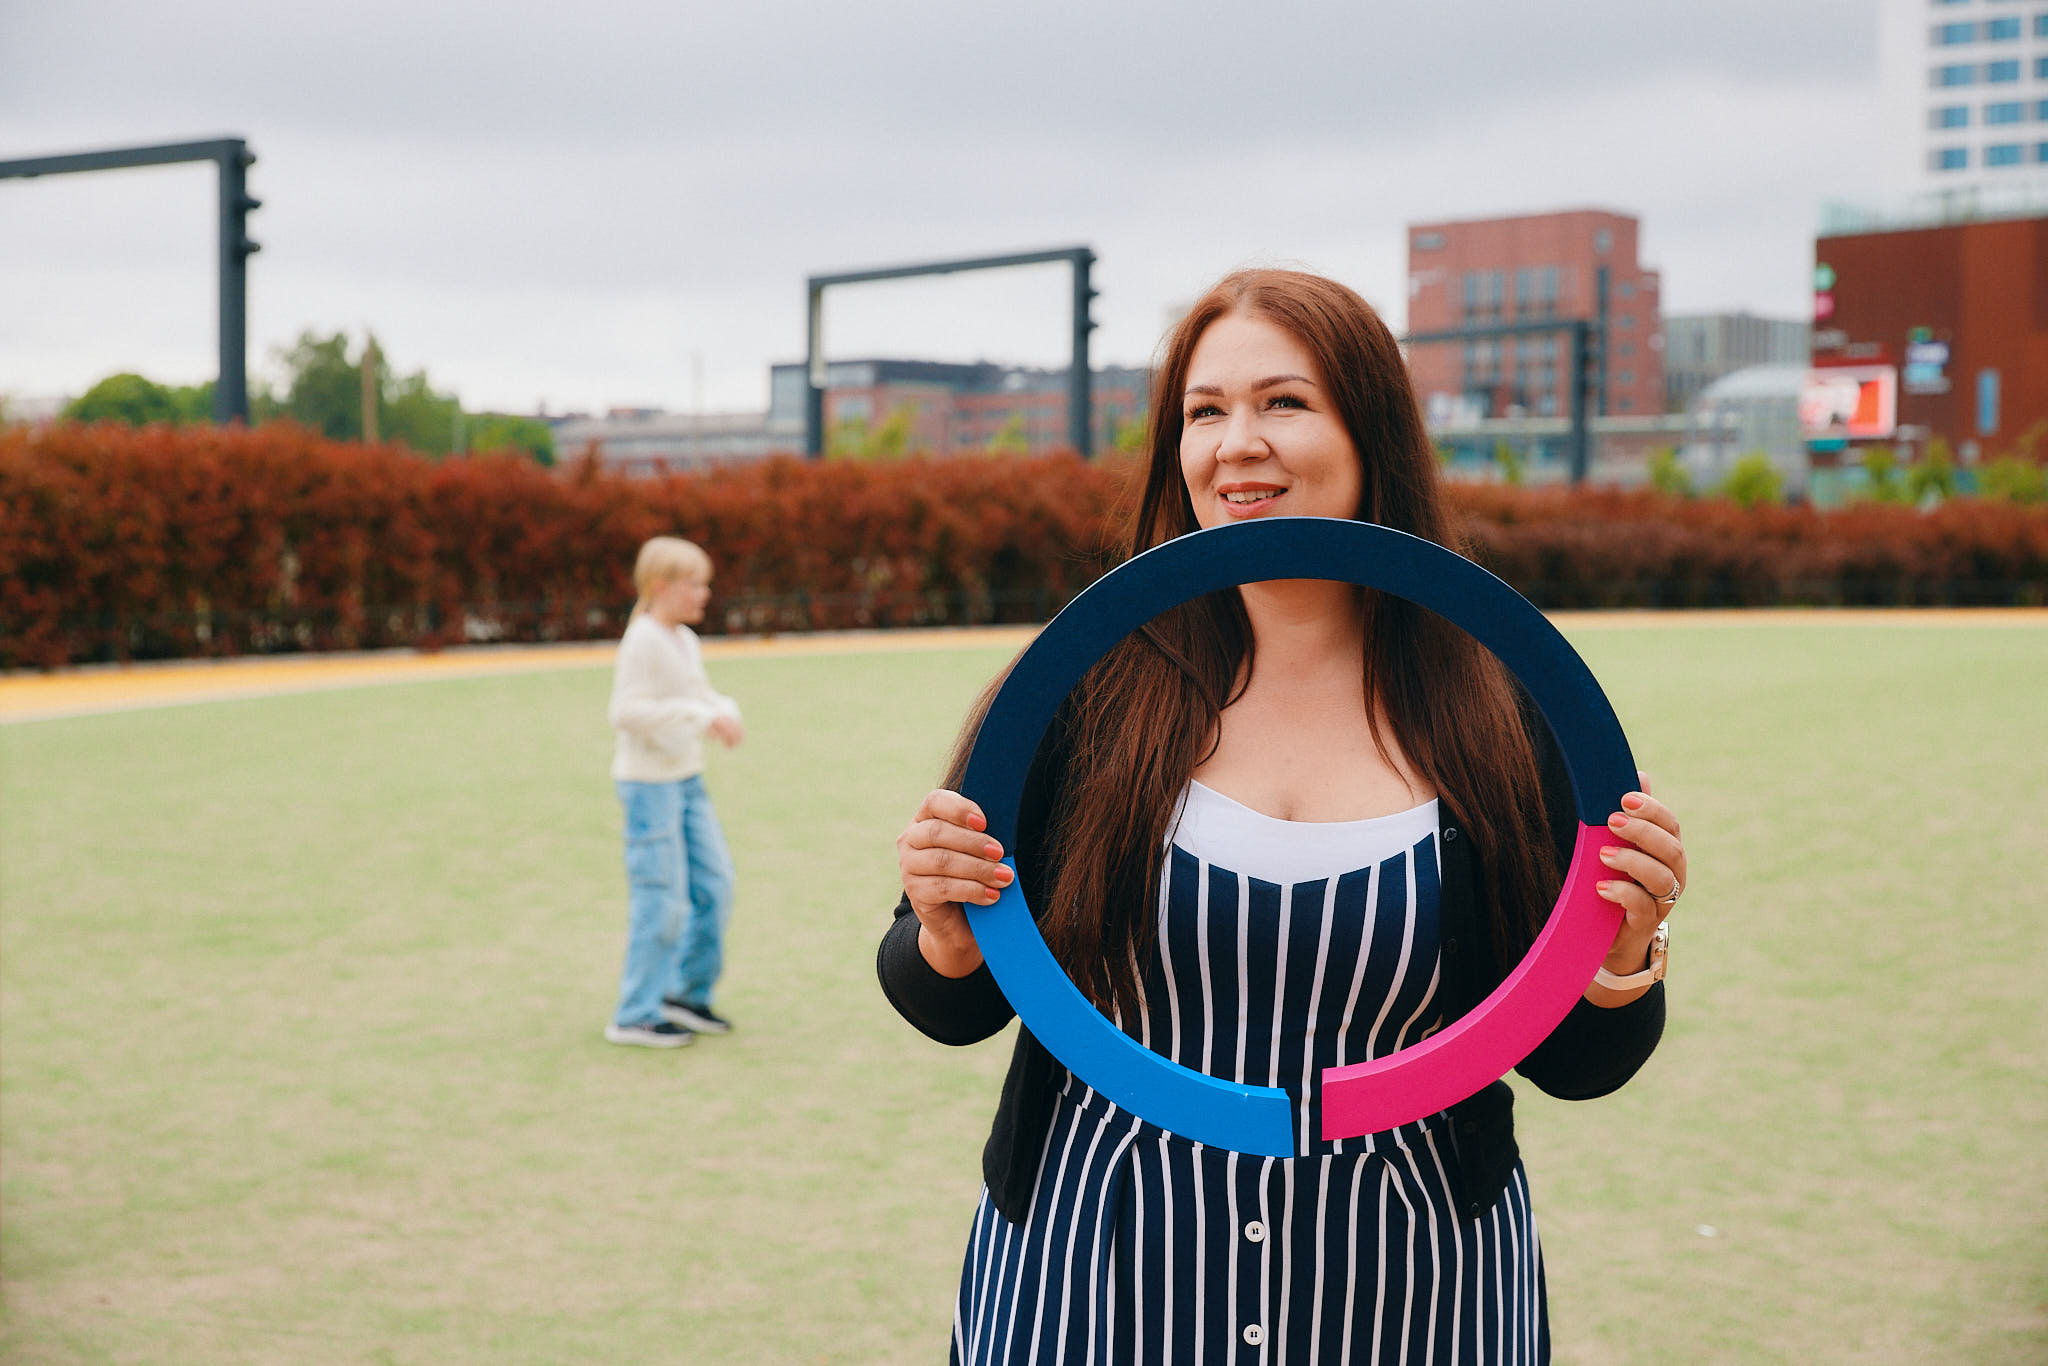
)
(156, 542)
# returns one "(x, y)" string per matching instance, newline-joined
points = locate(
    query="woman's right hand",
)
(947, 858)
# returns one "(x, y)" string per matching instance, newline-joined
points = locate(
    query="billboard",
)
(1849, 403)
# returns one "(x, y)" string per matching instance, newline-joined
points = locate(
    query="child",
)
(677, 867)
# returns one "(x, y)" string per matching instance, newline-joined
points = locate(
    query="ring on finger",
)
(1670, 898)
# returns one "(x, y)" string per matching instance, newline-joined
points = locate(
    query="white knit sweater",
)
(661, 702)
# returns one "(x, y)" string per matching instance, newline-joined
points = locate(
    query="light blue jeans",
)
(679, 877)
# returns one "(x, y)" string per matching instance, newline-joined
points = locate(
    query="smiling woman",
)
(1290, 826)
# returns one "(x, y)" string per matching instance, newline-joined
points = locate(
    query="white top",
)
(1216, 829)
(661, 702)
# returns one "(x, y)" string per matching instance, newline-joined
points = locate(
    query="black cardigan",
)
(1591, 1052)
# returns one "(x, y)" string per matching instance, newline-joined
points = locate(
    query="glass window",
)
(1949, 116)
(2002, 154)
(2041, 68)
(2005, 111)
(1948, 35)
(2002, 30)
(2041, 110)
(1951, 158)
(2041, 151)
(2041, 26)
(1603, 242)
(1429, 241)
(1965, 74)
(2000, 72)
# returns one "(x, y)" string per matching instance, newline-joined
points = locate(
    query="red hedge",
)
(119, 543)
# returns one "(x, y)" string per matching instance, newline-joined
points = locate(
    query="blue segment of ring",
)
(1249, 1119)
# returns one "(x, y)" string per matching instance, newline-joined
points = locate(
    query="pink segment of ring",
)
(1457, 1061)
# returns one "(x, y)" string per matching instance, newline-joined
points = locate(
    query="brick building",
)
(1536, 267)
(1961, 309)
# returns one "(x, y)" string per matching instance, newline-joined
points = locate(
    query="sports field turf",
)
(300, 1002)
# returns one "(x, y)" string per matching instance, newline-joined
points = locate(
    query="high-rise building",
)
(1965, 87)
(1554, 266)
(1699, 348)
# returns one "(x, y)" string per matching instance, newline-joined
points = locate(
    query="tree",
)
(506, 431)
(129, 398)
(1881, 469)
(1668, 473)
(1510, 461)
(1933, 478)
(1754, 479)
(1010, 438)
(323, 386)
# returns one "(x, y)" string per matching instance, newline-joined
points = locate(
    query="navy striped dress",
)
(1283, 948)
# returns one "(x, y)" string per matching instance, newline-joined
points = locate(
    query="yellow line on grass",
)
(26, 696)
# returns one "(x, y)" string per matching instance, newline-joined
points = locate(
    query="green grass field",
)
(300, 1002)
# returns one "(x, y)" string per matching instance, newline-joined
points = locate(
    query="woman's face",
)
(1260, 434)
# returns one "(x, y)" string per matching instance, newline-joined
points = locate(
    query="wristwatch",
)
(1659, 943)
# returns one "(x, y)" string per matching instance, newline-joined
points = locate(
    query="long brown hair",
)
(1140, 722)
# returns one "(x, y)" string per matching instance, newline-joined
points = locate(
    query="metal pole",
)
(1080, 378)
(814, 372)
(231, 389)
(1580, 441)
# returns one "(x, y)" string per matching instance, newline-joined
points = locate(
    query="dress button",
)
(1255, 1231)
(1450, 833)
(1253, 1334)
(1450, 948)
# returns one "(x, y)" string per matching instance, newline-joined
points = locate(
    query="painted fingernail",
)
(1609, 853)
(1617, 820)
(975, 821)
(1610, 890)
(989, 896)
(1632, 800)
(1004, 875)
(992, 850)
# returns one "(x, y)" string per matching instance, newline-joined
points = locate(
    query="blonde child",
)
(678, 872)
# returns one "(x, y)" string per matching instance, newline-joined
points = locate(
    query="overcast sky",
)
(583, 205)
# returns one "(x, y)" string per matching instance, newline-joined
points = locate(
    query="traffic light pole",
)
(1589, 375)
(1080, 379)
(233, 158)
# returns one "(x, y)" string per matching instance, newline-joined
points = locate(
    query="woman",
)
(1285, 827)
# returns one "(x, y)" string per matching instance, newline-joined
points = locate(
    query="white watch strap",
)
(1659, 947)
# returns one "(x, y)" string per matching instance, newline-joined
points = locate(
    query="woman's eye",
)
(1284, 401)
(1202, 410)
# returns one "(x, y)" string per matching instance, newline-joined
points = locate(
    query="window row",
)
(1989, 31)
(1997, 154)
(1989, 73)
(2001, 111)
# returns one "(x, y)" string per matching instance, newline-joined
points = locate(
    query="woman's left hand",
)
(1652, 868)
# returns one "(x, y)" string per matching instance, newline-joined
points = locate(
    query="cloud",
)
(568, 202)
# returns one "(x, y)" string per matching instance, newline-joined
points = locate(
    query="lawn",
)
(300, 1003)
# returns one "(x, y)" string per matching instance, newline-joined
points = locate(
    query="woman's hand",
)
(727, 729)
(946, 858)
(1653, 872)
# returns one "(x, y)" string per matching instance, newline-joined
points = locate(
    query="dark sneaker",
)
(661, 1035)
(690, 1015)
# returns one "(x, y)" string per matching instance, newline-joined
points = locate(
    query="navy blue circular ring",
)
(1256, 1119)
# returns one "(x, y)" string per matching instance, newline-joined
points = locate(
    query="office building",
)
(1959, 310)
(1580, 264)
(1965, 110)
(1700, 348)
